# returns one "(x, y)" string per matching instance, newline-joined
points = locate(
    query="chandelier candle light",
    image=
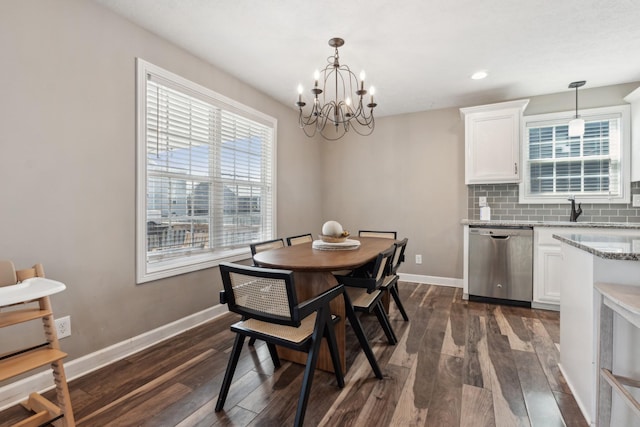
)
(334, 107)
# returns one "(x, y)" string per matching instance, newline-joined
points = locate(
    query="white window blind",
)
(591, 167)
(209, 176)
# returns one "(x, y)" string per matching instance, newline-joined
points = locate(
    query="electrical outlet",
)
(482, 201)
(635, 201)
(63, 326)
(418, 259)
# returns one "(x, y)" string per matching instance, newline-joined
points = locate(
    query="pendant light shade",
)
(576, 126)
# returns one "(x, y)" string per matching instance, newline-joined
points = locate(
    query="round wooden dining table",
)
(312, 271)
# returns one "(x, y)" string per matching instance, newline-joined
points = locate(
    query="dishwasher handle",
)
(493, 236)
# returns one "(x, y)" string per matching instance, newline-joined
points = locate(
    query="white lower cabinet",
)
(546, 289)
(547, 261)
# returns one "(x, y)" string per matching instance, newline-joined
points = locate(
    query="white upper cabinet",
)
(634, 99)
(492, 142)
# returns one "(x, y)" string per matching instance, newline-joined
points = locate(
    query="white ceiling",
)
(419, 54)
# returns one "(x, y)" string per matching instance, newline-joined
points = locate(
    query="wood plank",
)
(570, 410)
(477, 407)
(9, 318)
(430, 350)
(548, 355)
(406, 412)
(508, 401)
(384, 397)
(407, 348)
(476, 370)
(537, 394)
(237, 417)
(446, 405)
(171, 394)
(551, 321)
(514, 330)
(27, 361)
(149, 386)
(455, 333)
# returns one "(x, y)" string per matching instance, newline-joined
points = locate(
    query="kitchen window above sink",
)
(594, 168)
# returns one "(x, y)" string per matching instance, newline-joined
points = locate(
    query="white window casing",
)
(205, 176)
(593, 168)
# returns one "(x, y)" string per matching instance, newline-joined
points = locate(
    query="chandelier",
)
(338, 106)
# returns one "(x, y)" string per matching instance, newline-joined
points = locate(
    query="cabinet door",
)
(492, 141)
(546, 284)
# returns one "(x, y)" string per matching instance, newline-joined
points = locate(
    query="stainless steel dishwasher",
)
(501, 264)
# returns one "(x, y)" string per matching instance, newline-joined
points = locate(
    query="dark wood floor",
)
(457, 363)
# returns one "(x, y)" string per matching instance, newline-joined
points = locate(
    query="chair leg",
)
(396, 297)
(330, 335)
(231, 368)
(274, 354)
(252, 341)
(384, 322)
(310, 368)
(362, 338)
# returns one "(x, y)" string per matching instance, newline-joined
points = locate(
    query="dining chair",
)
(266, 299)
(260, 247)
(365, 291)
(265, 246)
(382, 234)
(302, 238)
(390, 282)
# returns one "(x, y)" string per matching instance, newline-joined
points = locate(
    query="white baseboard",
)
(581, 405)
(13, 393)
(431, 280)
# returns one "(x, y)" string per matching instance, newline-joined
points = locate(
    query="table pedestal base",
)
(309, 285)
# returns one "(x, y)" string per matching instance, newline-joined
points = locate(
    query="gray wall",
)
(67, 150)
(408, 176)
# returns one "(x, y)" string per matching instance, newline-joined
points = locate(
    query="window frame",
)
(146, 272)
(559, 118)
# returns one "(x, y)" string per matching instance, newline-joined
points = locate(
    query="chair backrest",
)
(383, 260)
(7, 273)
(10, 276)
(398, 256)
(382, 234)
(266, 245)
(260, 293)
(302, 238)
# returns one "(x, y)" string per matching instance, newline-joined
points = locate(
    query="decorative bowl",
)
(333, 239)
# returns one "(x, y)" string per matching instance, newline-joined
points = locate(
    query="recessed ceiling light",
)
(479, 75)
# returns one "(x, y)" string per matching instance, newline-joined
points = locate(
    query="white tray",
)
(30, 289)
(347, 245)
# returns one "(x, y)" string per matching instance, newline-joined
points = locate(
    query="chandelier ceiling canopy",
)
(339, 101)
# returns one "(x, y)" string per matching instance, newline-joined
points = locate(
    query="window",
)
(205, 176)
(595, 168)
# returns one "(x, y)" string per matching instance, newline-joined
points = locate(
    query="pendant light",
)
(576, 126)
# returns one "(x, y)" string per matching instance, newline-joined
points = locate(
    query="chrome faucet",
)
(574, 213)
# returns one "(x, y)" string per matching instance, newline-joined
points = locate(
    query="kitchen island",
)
(588, 259)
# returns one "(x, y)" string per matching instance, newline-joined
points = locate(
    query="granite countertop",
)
(624, 248)
(500, 223)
